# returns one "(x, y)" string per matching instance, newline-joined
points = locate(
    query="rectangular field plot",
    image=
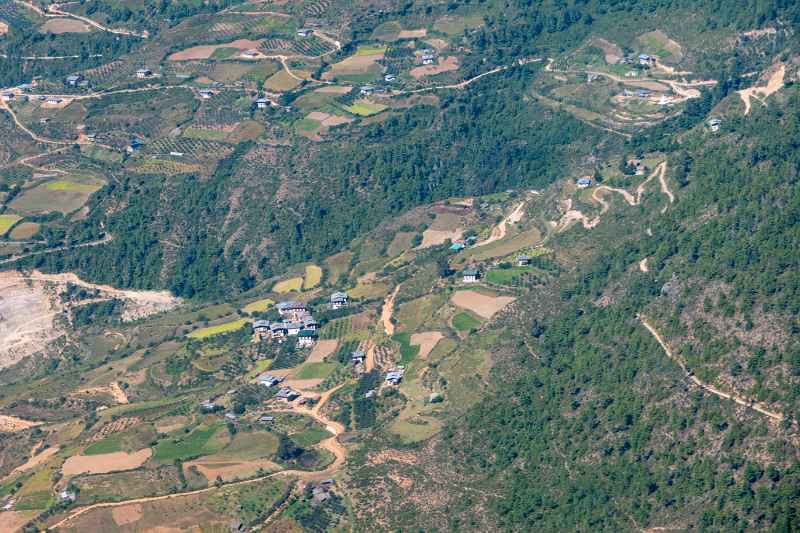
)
(65, 195)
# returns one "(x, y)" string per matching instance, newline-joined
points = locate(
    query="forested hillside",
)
(591, 426)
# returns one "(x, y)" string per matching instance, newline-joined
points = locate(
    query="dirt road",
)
(774, 84)
(741, 400)
(54, 10)
(632, 200)
(387, 310)
(499, 231)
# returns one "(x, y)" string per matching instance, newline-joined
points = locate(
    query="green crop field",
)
(315, 370)
(370, 50)
(336, 329)
(109, 444)
(465, 321)
(365, 109)
(224, 53)
(59, 195)
(205, 134)
(310, 436)
(408, 351)
(506, 276)
(227, 327)
(198, 442)
(307, 125)
(65, 185)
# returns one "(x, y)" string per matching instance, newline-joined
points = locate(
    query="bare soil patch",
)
(205, 51)
(445, 65)
(114, 390)
(481, 304)
(27, 318)
(318, 115)
(12, 424)
(104, 463)
(138, 304)
(3, 28)
(613, 53)
(412, 34)
(774, 84)
(426, 341)
(229, 471)
(11, 521)
(128, 514)
(652, 85)
(171, 423)
(432, 237)
(335, 120)
(303, 384)
(65, 25)
(322, 350)
(387, 310)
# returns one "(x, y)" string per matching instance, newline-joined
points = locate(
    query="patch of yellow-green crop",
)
(370, 50)
(6, 221)
(64, 185)
(210, 331)
(365, 109)
(288, 285)
(313, 276)
(259, 306)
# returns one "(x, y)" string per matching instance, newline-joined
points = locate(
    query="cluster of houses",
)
(297, 321)
(428, 57)
(367, 90)
(144, 73)
(321, 493)
(395, 375)
(471, 275)
(637, 165)
(639, 93)
(286, 394)
(76, 80)
(646, 60)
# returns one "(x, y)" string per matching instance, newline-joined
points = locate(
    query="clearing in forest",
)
(773, 85)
